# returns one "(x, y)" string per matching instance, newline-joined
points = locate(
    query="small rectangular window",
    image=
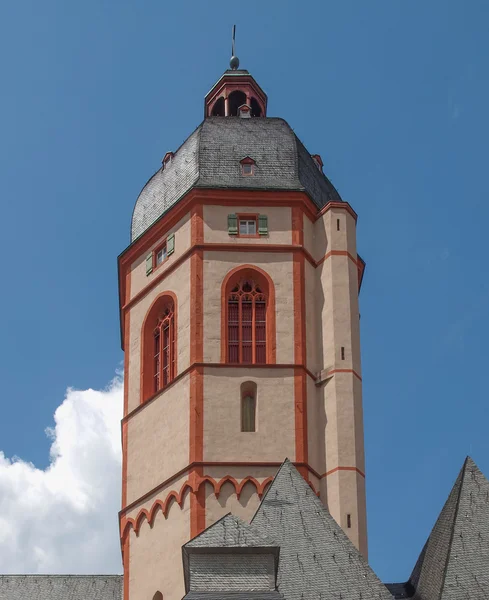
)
(247, 169)
(337, 224)
(342, 353)
(161, 255)
(247, 227)
(163, 251)
(348, 521)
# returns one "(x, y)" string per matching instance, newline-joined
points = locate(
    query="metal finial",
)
(234, 62)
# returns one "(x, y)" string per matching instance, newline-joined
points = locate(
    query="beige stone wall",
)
(223, 439)
(321, 243)
(244, 508)
(216, 224)
(155, 556)
(279, 267)
(175, 485)
(309, 228)
(158, 439)
(177, 282)
(314, 301)
(139, 279)
(316, 427)
(158, 435)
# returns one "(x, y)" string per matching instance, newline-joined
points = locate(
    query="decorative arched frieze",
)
(128, 523)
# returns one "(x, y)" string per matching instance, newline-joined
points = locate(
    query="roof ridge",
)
(269, 488)
(455, 516)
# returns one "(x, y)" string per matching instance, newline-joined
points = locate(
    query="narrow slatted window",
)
(248, 413)
(246, 314)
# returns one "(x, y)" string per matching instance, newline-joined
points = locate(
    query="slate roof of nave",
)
(60, 587)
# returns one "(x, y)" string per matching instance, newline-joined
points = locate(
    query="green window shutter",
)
(262, 225)
(149, 264)
(232, 225)
(170, 244)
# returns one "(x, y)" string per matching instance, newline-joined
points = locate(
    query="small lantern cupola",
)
(236, 94)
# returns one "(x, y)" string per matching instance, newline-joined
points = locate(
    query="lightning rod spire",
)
(234, 62)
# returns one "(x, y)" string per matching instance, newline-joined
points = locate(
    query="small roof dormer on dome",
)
(235, 89)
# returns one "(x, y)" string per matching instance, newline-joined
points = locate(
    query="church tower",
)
(240, 328)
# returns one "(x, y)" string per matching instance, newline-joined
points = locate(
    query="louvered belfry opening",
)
(247, 315)
(164, 348)
(236, 99)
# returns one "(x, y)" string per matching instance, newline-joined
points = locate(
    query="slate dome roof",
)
(210, 158)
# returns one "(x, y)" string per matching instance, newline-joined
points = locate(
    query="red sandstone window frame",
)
(247, 217)
(159, 346)
(260, 354)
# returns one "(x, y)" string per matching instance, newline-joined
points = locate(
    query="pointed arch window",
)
(164, 348)
(159, 355)
(248, 317)
(248, 406)
(247, 323)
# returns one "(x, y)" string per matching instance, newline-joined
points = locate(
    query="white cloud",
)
(64, 519)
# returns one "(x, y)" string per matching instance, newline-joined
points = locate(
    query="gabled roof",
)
(229, 532)
(60, 587)
(454, 563)
(317, 560)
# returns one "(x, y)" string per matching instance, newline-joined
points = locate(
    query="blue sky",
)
(394, 97)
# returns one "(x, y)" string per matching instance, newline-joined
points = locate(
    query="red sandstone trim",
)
(356, 469)
(146, 374)
(196, 465)
(341, 205)
(196, 405)
(216, 197)
(249, 217)
(345, 371)
(219, 365)
(125, 563)
(196, 489)
(127, 330)
(300, 392)
(337, 253)
(215, 247)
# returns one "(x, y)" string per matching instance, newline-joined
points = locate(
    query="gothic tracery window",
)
(159, 346)
(164, 348)
(247, 304)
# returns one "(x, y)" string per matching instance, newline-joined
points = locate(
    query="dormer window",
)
(245, 111)
(248, 167)
(317, 159)
(167, 159)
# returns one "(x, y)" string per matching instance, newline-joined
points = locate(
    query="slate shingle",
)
(317, 560)
(210, 158)
(60, 587)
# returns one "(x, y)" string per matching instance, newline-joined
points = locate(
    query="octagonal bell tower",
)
(240, 328)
